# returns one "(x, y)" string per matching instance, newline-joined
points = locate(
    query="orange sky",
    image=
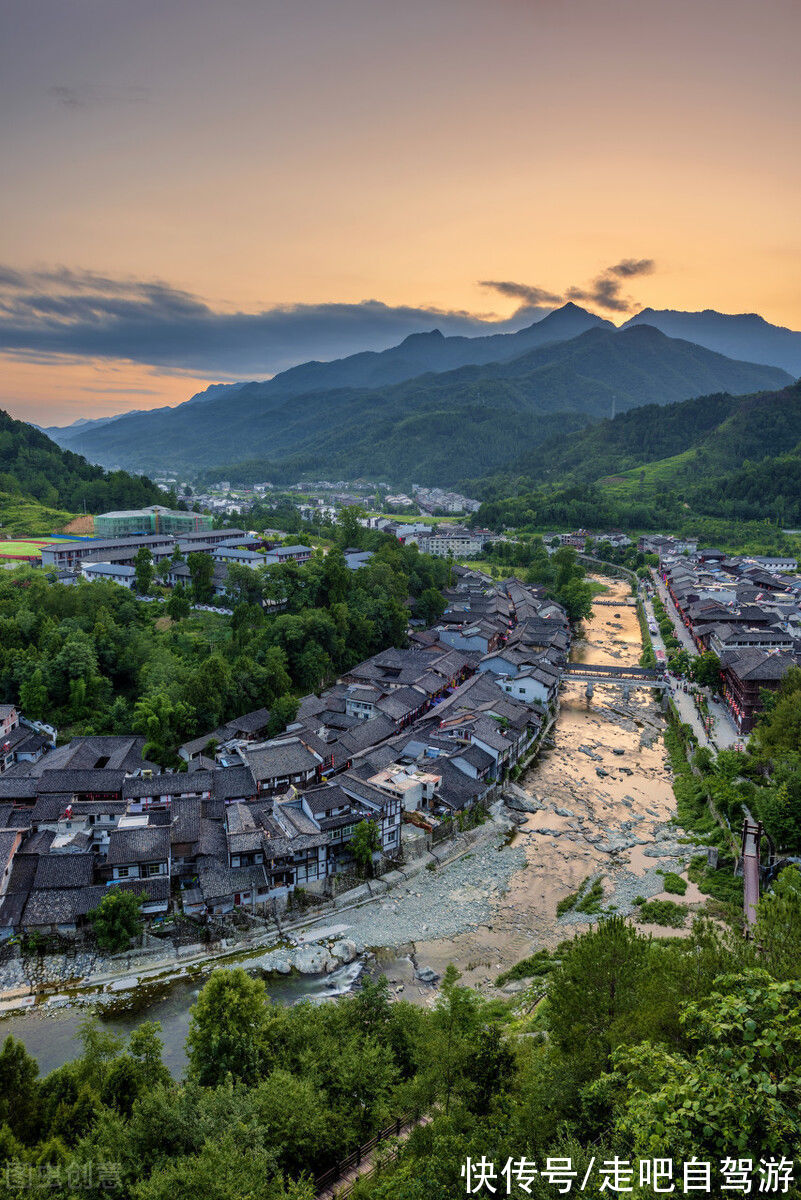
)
(257, 154)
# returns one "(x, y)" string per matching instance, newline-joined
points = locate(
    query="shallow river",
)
(52, 1037)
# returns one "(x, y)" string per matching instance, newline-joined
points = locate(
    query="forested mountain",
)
(718, 456)
(744, 335)
(417, 354)
(32, 465)
(435, 428)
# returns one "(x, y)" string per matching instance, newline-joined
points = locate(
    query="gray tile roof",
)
(219, 883)
(147, 843)
(278, 759)
(180, 783)
(64, 870)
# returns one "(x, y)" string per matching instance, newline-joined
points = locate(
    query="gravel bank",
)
(441, 903)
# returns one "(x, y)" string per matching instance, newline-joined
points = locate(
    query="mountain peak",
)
(421, 338)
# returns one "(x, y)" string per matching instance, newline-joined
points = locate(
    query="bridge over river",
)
(622, 677)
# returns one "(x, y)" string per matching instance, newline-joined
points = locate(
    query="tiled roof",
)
(146, 843)
(64, 870)
(281, 758)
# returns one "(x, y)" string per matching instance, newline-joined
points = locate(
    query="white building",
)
(111, 572)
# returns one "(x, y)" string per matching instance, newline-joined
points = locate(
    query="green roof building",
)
(153, 519)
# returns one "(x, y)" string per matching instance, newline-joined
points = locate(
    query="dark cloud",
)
(628, 267)
(96, 95)
(605, 291)
(522, 291)
(58, 312)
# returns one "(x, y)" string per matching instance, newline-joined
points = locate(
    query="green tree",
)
(19, 1088)
(575, 596)
(227, 1028)
(178, 605)
(282, 713)
(143, 565)
(706, 669)
(33, 696)
(777, 935)
(116, 920)
(350, 532)
(162, 721)
(201, 572)
(738, 1087)
(779, 730)
(594, 992)
(430, 605)
(365, 843)
(450, 1048)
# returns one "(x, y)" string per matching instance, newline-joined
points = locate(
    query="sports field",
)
(23, 547)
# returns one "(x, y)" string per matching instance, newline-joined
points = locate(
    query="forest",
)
(619, 1050)
(95, 658)
(677, 467)
(33, 466)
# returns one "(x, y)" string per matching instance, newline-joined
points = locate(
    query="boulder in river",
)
(344, 951)
(519, 802)
(426, 975)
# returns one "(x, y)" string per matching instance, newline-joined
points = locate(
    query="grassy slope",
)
(23, 517)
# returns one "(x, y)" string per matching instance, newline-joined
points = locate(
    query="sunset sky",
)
(198, 190)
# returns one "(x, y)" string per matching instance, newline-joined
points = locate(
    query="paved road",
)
(725, 734)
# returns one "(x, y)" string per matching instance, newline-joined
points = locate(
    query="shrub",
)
(675, 884)
(663, 912)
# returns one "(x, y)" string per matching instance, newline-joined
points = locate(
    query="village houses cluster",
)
(745, 609)
(405, 740)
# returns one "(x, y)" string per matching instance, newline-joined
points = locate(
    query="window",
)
(152, 869)
(123, 872)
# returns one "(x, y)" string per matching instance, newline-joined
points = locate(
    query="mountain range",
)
(432, 409)
(746, 335)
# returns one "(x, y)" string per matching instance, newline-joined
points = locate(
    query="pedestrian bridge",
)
(627, 602)
(622, 677)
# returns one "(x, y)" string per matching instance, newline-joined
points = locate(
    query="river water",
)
(52, 1037)
(603, 783)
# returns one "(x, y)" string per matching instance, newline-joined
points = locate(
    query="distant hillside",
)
(32, 466)
(746, 335)
(716, 456)
(66, 435)
(435, 428)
